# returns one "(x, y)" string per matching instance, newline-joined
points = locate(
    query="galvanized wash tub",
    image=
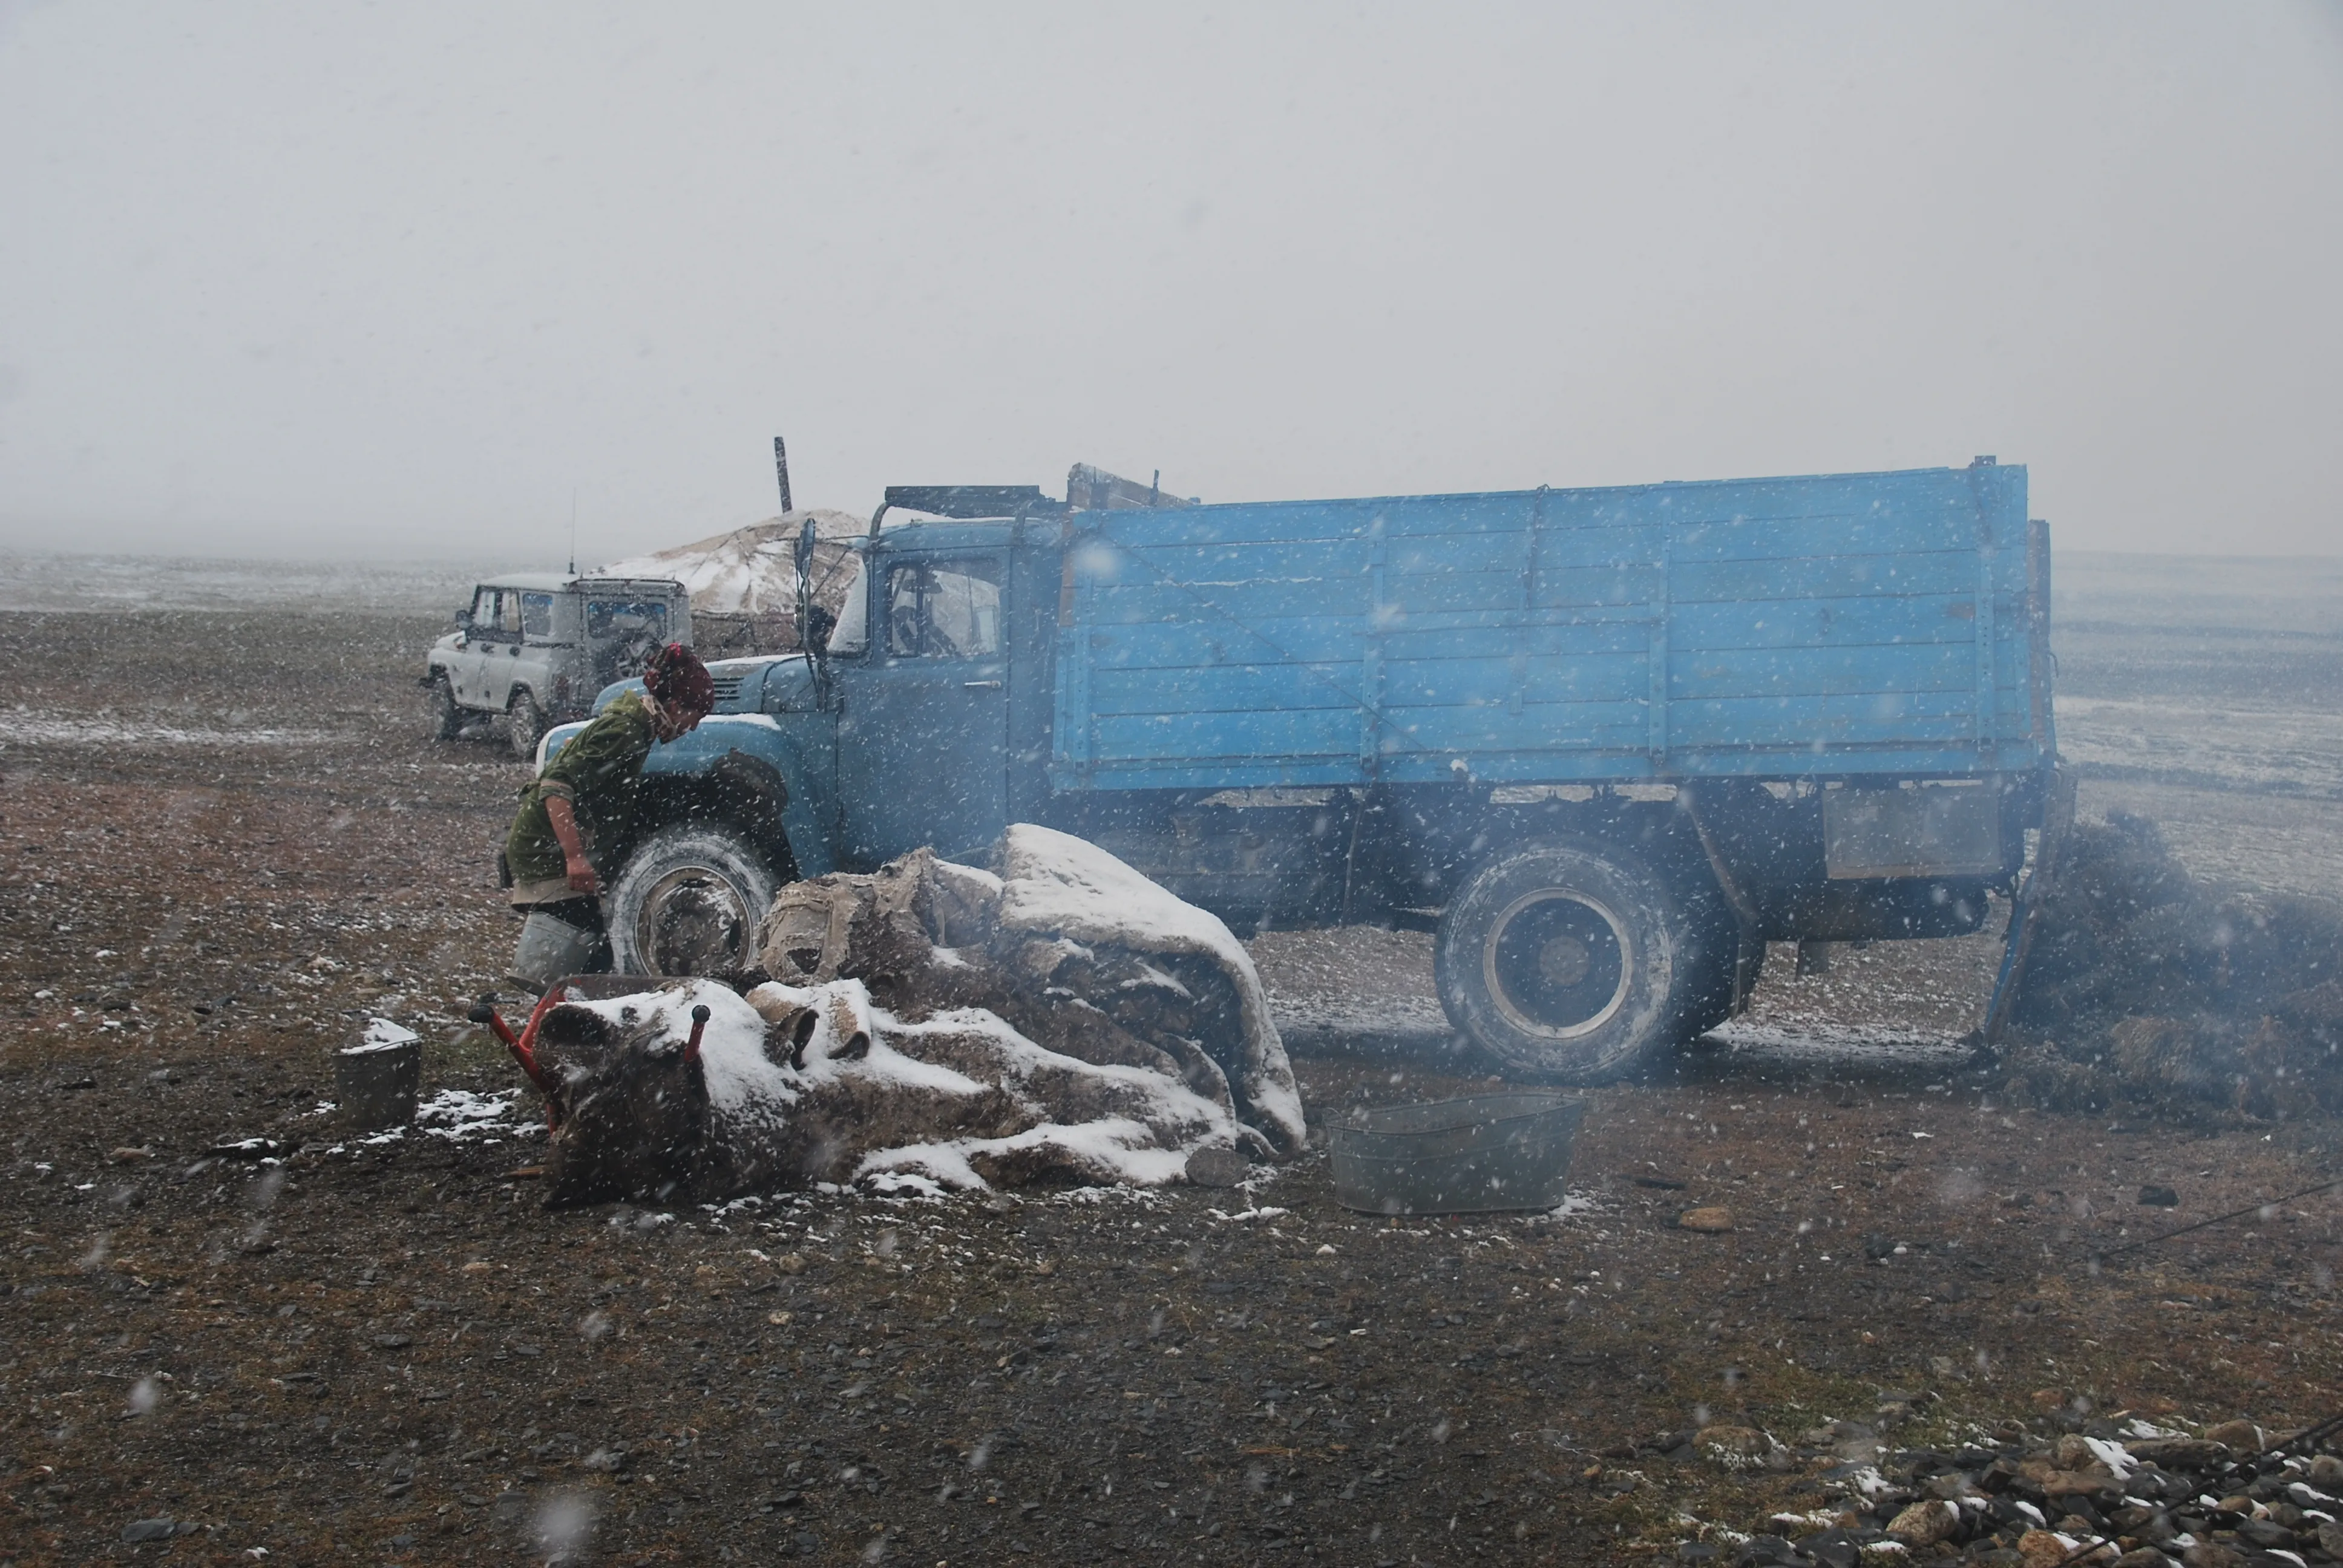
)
(1485, 1154)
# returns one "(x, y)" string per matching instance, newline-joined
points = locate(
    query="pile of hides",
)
(744, 584)
(2145, 987)
(934, 1026)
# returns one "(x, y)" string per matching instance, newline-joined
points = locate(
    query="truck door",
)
(923, 736)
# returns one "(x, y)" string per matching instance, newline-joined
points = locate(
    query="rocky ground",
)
(219, 850)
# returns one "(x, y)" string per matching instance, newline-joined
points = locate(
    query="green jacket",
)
(598, 773)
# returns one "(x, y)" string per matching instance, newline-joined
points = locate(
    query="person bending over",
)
(587, 793)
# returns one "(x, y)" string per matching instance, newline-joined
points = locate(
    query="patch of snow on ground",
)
(1121, 1193)
(904, 1184)
(44, 729)
(459, 1115)
(2114, 1455)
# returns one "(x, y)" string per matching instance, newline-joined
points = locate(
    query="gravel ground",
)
(385, 1351)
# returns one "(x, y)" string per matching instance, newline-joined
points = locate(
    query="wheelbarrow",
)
(569, 988)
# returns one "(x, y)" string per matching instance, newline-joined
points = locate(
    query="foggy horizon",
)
(328, 284)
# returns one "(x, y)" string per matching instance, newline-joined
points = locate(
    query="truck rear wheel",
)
(1564, 960)
(687, 903)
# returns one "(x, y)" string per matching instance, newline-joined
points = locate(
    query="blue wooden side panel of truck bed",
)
(1829, 626)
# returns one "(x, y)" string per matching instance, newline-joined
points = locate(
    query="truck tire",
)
(440, 710)
(687, 902)
(526, 720)
(1565, 960)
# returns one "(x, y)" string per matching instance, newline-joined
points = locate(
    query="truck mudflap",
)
(2025, 909)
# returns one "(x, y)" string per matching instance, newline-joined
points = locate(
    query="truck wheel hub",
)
(1557, 963)
(1564, 961)
(693, 922)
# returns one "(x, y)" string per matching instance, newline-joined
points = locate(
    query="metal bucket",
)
(375, 1082)
(1482, 1154)
(550, 948)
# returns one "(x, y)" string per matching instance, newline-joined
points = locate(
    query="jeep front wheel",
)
(440, 711)
(687, 903)
(526, 722)
(1563, 960)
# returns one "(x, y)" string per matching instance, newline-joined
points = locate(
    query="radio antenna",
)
(573, 530)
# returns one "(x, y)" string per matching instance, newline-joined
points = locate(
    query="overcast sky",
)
(387, 281)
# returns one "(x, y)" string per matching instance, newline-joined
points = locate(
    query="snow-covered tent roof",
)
(751, 570)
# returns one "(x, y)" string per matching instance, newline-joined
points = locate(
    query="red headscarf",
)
(675, 677)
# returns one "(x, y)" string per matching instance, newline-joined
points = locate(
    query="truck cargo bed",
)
(1787, 627)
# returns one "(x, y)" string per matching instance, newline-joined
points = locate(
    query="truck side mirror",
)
(812, 638)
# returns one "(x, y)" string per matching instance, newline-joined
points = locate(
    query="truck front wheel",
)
(1562, 959)
(687, 903)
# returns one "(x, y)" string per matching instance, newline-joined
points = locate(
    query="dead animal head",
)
(634, 1119)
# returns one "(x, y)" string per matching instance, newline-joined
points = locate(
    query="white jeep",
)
(538, 647)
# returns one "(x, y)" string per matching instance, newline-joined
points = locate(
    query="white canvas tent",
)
(743, 583)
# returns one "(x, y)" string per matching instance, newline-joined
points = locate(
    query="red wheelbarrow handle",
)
(524, 1045)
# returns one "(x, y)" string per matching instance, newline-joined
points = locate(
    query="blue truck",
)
(1605, 743)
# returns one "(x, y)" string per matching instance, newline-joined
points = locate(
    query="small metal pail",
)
(1481, 1154)
(550, 948)
(377, 1080)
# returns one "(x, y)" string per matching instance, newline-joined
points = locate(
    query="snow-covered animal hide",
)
(934, 1025)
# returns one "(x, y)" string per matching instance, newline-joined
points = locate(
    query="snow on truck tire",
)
(1567, 962)
(687, 902)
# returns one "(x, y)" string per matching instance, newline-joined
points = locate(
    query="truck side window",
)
(949, 610)
(537, 615)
